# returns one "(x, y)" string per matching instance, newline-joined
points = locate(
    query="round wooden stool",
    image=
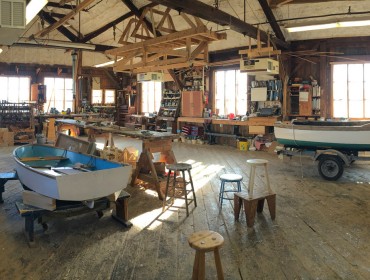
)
(255, 163)
(229, 178)
(176, 168)
(203, 242)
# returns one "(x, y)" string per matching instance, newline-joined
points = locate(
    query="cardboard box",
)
(257, 129)
(6, 138)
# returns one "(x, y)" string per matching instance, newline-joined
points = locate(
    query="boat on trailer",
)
(340, 135)
(334, 144)
(66, 175)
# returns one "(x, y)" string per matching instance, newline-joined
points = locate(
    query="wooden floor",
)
(322, 229)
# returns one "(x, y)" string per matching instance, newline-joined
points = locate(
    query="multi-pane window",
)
(351, 90)
(59, 93)
(97, 96)
(15, 89)
(231, 92)
(151, 95)
(109, 95)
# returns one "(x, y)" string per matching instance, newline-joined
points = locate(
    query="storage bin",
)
(243, 146)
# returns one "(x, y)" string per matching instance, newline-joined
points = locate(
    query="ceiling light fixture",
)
(329, 25)
(107, 63)
(33, 8)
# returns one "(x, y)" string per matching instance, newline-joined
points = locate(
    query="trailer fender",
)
(345, 158)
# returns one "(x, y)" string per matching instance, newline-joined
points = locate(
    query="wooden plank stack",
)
(127, 155)
(6, 137)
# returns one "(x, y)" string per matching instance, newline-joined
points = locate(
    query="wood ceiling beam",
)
(137, 13)
(168, 66)
(104, 28)
(57, 5)
(204, 11)
(54, 26)
(271, 19)
(277, 3)
(72, 37)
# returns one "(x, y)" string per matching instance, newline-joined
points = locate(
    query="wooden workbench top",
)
(263, 121)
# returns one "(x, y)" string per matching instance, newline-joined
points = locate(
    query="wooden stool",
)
(228, 178)
(254, 203)
(203, 242)
(254, 163)
(180, 167)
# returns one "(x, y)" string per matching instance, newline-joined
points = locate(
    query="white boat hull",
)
(74, 187)
(342, 138)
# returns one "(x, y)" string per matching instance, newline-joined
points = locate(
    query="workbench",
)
(253, 125)
(152, 142)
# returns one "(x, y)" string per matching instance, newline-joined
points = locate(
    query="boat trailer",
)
(64, 209)
(331, 162)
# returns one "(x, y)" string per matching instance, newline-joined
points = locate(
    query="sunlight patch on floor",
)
(201, 175)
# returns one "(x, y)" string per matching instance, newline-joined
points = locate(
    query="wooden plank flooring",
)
(322, 229)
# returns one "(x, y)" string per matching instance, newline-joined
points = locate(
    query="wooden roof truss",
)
(174, 49)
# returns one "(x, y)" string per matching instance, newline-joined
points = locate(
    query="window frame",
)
(65, 89)
(348, 99)
(237, 92)
(157, 98)
(19, 87)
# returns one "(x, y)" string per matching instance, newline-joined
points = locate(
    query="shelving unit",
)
(18, 117)
(125, 102)
(16, 114)
(268, 94)
(169, 110)
(304, 100)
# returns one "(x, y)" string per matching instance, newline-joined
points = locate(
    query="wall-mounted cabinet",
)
(192, 104)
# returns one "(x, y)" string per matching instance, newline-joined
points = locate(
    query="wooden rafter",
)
(170, 38)
(271, 19)
(207, 12)
(277, 3)
(59, 23)
(168, 51)
(260, 51)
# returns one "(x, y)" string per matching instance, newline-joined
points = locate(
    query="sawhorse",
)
(69, 209)
(5, 177)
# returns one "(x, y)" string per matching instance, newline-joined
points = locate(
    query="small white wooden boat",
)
(67, 175)
(339, 135)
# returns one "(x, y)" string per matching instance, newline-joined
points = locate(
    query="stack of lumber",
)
(23, 135)
(6, 137)
(127, 155)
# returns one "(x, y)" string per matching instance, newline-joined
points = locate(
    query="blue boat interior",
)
(67, 158)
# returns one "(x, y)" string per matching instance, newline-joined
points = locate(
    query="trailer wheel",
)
(330, 167)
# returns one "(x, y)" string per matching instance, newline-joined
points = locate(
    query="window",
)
(151, 95)
(15, 89)
(231, 92)
(109, 95)
(97, 96)
(351, 90)
(59, 93)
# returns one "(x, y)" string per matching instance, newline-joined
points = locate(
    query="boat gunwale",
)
(35, 170)
(292, 125)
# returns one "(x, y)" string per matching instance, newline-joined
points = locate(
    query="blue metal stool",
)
(229, 178)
